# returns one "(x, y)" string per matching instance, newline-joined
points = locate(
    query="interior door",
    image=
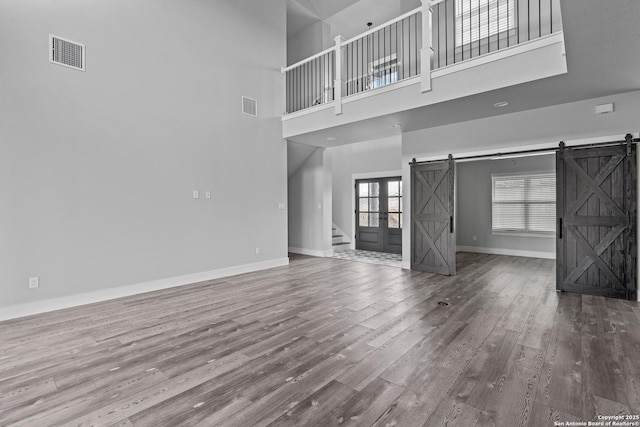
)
(379, 215)
(433, 239)
(596, 238)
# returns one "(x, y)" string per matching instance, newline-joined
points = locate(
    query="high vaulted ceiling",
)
(322, 9)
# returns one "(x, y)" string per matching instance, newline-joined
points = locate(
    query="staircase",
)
(338, 240)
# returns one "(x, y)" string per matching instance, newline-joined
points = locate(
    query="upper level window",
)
(384, 71)
(480, 19)
(524, 203)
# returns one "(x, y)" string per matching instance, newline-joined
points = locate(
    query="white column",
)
(340, 84)
(426, 52)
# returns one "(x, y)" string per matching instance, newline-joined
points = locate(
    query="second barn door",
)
(596, 238)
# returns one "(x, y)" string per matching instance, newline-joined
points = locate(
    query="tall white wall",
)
(527, 129)
(313, 39)
(353, 20)
(310, 206)
(97, 168)
(364, 159)
(348, 23)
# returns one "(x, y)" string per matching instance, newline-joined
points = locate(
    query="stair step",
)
(340, 243)
(336, 235)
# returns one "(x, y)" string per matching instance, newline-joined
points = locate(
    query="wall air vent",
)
(249, 107)
(66, 53)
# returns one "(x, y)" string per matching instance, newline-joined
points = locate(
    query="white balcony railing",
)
(438, 34)
(466, 29)
(382, 56)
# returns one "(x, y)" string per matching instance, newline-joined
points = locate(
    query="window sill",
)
(524, 234)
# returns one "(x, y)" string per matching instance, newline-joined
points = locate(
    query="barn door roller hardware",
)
(629, 139)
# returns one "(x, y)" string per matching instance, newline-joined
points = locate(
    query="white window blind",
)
(479, 19)
(524, 203)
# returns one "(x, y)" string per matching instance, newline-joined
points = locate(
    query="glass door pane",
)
(394, 204)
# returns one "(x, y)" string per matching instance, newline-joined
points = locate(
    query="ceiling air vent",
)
(249, 107)
(66, 53)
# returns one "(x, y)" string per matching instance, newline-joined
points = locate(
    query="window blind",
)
(524, 203)
(479, 19)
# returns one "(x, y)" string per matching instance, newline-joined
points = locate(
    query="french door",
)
(596, 204)
(379, 214)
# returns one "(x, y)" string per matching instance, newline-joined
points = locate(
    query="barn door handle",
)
(450, 224)
(559, 228)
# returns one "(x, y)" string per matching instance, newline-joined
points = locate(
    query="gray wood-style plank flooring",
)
(330, 342)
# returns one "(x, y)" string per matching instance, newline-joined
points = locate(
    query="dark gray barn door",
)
(433, 239)
(596, 204)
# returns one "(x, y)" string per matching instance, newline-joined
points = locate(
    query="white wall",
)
(371, 159)
(353, 20)
(348, 23)
(310, 206)
(97, 168)
(313, 39)
(527, 129)
(473, 207)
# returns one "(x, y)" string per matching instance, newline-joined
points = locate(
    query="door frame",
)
(367, 175)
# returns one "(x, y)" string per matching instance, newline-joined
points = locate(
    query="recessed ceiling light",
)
(395, 126)
(501, 104)
(330, 138)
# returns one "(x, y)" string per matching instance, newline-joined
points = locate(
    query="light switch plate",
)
(34, 282)
(196, 194)
(281, 206)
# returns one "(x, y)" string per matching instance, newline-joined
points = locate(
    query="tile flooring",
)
(371, 257)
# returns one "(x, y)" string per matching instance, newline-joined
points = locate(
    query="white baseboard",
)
(510, 252)
(28, 309)
(312, 252)
(406, 265)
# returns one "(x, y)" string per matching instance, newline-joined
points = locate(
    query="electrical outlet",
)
(207, 194)
(474, 238)
(34, 282)
(257, 251)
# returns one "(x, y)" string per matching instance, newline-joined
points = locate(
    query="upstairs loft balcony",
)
(442, 37)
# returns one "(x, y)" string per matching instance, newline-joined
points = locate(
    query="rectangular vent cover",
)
(66, 53)
(249, 107)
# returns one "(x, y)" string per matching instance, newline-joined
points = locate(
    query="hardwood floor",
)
(330, 342)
